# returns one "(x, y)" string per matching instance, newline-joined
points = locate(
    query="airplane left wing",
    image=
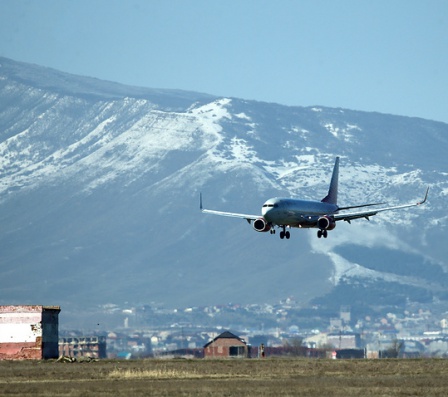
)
(248, 217)
(366, 214)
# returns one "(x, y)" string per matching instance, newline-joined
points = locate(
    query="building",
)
(83, 346)
(345, 314)
(137, 345)
(344, 340)
(226, 345)
(29, 332)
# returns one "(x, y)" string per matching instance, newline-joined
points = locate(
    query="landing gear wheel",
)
(322, 233)
(284, 233)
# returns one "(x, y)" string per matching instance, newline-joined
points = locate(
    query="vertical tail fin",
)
(332, 196)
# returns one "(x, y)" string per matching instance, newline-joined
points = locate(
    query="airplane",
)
(287, 212)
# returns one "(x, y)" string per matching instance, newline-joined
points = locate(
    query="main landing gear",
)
(322, 233)
(284, 233)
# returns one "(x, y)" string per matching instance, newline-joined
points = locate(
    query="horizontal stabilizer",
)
(359, 206)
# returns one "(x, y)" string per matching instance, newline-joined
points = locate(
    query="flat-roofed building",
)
(83, 346)
(29, 332)
(344, 340)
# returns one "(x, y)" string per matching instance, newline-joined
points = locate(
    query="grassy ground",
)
(269, 377)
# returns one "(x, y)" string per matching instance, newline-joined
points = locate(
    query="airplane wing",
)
(229, 214)
(366, 214)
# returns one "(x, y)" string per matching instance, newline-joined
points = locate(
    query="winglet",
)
(200, 201)
(332, 196)
(426, 196)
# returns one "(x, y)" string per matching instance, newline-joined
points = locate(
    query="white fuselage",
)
(295, 213)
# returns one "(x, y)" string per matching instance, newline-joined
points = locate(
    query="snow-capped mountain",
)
(100, 183)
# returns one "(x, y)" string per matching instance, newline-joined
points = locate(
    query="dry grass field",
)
(268, 377)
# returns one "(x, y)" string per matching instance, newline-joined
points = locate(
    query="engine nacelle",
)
(326, 223)
(260, 225)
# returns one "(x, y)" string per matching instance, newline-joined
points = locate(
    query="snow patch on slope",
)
(107, 148)
(368, 236)
(345, 133)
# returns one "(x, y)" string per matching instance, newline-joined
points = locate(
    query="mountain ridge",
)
(68, 84)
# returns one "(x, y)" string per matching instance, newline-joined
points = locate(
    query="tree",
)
(293, 347)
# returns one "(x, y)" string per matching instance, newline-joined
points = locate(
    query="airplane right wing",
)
(248, 218)
(366, 214)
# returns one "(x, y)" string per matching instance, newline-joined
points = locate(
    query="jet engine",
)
(326, 223)
(260, 225)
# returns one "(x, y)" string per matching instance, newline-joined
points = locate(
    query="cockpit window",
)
(270, 205)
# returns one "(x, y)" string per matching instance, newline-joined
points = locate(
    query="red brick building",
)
(226, 345)
(29, 332)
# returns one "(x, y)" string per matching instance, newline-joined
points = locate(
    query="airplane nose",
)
(265, 212)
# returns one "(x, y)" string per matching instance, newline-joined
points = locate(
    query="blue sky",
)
(388, 56)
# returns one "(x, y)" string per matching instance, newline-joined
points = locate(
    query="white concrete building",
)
(29, 332)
